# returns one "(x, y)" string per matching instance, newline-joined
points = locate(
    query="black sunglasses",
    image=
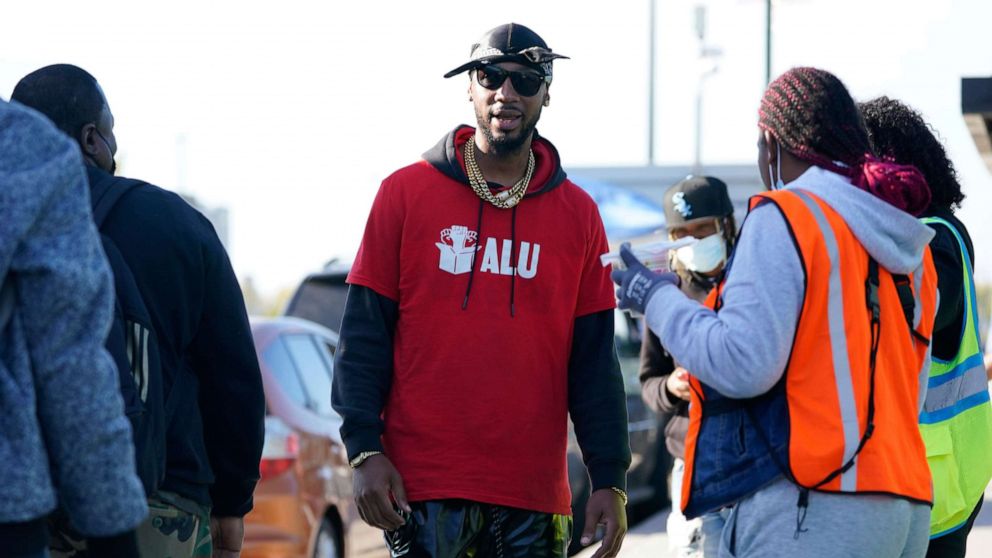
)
(525, 83)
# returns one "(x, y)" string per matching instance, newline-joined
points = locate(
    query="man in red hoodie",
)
(479, 317)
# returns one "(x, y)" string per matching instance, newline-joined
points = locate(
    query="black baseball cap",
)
(696, 197)
(510, 42)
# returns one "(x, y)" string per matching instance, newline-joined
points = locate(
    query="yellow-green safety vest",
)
(956, 421)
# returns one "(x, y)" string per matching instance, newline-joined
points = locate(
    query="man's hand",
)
(377, 485)
(678, 383)
(605, 507)
(637, 283)
(227, 534)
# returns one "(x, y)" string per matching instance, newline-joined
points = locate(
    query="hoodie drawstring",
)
(513, 247)
(478, 236)
(513, 253)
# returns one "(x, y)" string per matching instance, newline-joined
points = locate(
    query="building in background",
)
(976, 107)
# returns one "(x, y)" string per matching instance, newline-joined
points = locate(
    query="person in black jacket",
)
(215, 404)
(900, 132)
(700, 207)
(479, 317)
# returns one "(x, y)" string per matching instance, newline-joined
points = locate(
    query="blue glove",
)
(637, 282)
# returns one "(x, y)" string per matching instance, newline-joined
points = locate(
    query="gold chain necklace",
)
(504, 199)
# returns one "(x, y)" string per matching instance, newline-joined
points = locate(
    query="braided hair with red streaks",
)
(811, 115)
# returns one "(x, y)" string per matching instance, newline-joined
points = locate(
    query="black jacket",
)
(215, 405)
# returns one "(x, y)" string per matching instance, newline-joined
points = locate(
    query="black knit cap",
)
(696, 197)
(510, 42)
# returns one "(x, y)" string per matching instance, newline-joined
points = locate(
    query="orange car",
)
(303, 502)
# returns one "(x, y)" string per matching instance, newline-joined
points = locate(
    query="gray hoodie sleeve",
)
(741, 351)
(64, 302)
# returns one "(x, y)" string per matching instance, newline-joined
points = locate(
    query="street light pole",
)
(708, 64)
(768, 41)
(651, 78)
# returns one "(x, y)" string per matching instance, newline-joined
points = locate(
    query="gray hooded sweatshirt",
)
(743, 351)
(63, 434)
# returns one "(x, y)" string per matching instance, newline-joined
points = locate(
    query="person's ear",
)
(770, 145)
(88, 140)
(547, 99)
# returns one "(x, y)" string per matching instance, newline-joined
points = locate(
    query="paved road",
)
(648, 540)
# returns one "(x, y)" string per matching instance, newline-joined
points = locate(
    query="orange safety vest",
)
(818, 413)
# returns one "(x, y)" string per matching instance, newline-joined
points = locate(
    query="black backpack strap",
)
(105, 194)
(874, 317)
(905, 290)
(908, 302)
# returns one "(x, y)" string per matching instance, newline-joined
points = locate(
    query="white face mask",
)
(704, 256)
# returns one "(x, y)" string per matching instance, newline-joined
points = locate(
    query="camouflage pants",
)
(175, 528)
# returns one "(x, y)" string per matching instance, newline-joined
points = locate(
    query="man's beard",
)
(508, 144)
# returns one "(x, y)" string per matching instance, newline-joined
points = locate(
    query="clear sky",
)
(290, 113)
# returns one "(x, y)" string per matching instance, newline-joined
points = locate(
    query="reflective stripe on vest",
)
(839, 358)
(956, 422)
(826, 382)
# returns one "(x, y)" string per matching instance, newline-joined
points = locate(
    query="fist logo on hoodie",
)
(458, 247)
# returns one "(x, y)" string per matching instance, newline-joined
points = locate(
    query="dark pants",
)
(461, 528)
(24, 540)
(954, 544)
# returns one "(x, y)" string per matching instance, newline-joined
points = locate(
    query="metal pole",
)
(651, 79)
(181, 163)
(768, 41)
(697, 163)
(697, 160)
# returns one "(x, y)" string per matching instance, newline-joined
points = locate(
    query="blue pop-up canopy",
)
(625, 213)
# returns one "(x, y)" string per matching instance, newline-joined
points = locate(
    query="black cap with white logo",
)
(696, 197)
(510, 42)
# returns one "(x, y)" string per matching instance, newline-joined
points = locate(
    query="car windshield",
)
(314, 366)
(321, 299)
(302, 365)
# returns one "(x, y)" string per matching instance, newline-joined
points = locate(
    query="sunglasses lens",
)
(526, 83)
(491, 77)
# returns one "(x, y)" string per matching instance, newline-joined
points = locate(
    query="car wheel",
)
(327, 544)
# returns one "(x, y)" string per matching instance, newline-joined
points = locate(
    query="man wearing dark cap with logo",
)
(479, 317)
(700, 207)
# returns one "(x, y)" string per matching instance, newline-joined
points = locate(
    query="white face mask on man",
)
(705, 256)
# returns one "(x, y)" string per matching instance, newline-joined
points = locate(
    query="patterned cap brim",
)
(535, 56)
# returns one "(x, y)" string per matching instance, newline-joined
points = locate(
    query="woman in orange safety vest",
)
(807, 361)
